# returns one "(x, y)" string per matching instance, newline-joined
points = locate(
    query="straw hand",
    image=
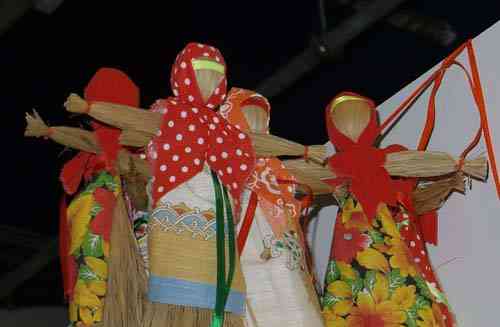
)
(35, 127)
(74, 103)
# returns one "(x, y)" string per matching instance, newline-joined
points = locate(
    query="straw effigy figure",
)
(104, 276)
(280, 290)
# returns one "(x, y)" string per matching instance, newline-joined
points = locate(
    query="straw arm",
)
(117, 115)
(72, 137)
(432, 164)
(268, 145)
(75, 138)
(426, 198)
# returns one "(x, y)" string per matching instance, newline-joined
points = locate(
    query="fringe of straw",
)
(68, 136)
(171, 315)
(432, 196)
(125, 300)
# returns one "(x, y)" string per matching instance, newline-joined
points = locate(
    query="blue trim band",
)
(182, 292)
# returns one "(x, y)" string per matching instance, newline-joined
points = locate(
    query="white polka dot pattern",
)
(185, 143)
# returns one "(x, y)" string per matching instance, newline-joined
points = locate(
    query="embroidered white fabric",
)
(276, 294)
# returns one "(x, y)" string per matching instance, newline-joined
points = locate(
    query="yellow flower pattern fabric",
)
(90, 248)
(371, 279)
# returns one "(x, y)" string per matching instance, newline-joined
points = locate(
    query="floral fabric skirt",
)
(379, 273)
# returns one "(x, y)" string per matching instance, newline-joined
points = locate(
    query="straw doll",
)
(379, 272)
(199, 165)
(104, 277)
(279, 287)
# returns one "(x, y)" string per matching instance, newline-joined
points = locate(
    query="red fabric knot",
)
(360, 163)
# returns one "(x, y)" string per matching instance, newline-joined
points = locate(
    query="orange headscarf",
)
(275, 199)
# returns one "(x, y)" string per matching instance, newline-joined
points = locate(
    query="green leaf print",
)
(329, 300)
(370, 279)
(376, 236)
(95, 209)
(439, 296)
(86, 274)
(332, 272)
(92, 246)
(411, 318)
(422, 287)
(412, 313)
(421, 303)
(356, 286)
(395, 280)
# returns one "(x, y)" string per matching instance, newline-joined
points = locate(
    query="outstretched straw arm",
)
(72, 137)
(80, 139)
(117, 115)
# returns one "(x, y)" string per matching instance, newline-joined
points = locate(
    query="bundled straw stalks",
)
(267, 145)
(69, 136)
(429, 164)
(83, 140)
(126, 293)
(418, 164)
(432, 195)
(170, 315)
(129, 118)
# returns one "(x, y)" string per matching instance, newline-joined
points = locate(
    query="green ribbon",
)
(223, 286)
(207, 64)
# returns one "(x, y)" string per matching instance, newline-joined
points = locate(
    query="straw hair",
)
(351, 116)
(72, 137)
(170, 315)
(432, 196)
(126, 290)
(117, 115)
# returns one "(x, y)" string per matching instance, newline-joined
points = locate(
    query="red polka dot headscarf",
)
(183, 78)
(193, 134)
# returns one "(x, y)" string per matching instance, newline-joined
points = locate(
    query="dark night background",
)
(45, 57)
